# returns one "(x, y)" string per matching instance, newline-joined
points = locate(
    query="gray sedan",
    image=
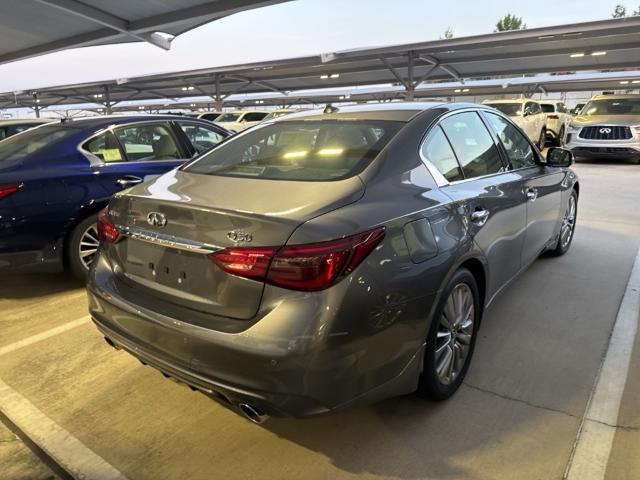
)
(330, 258)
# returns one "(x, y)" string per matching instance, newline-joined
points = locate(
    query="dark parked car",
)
(56, 177)
(328, 259)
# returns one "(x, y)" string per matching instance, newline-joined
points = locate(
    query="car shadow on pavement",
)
(34, 285)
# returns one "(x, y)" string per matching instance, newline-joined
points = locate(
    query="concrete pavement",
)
(517, 416)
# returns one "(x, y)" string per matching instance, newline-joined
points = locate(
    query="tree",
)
(448, 33)
(620, 11)
(510, 22)
(636, 13)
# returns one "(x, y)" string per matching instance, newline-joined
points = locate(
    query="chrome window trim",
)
(165, 240)
(96, 162)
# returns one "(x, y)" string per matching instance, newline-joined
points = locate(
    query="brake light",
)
(6, 190)
(308, 267)
(107, 231)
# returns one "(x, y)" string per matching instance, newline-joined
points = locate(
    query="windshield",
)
(300, 150)
(509, 109)
(14, 149)
(228, 117)
(619, 106)
(547, 108)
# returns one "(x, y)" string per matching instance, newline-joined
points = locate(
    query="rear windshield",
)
(14, 149)
(228, 117)
(509, 109)
(298, 150)
(623, 106)
(547, 108)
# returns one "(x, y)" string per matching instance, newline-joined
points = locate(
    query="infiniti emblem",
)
(606, 131)
(238, 236)
(156, 219)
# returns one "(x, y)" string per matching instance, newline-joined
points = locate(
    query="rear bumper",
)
(282, 374)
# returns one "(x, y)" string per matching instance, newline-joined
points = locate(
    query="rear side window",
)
(438, 151)
(473, 144)
(15, 148)
(105, 146)
(518, 148)
(299, 150)
(210, 116)
(146, 142)
(202, 138)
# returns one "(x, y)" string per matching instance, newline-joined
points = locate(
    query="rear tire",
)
(82, 247)
(451, 338)
(568, 226)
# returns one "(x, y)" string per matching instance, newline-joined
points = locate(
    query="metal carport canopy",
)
(601, 45)
(36, 27)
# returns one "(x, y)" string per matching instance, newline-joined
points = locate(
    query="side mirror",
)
(559, 157)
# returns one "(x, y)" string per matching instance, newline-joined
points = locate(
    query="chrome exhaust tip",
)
(252, 413)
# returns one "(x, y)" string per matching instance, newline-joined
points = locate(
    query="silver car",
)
(329, 258)
(607, 127)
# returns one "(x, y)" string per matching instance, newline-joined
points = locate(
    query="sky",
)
(300, 27)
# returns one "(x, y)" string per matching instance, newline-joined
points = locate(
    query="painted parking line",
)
(66, 450)
(595, 438)
(43, 336)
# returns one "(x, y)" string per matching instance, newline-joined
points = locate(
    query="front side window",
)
(518, 148)
(106, 147)
(202, 138)
(147, 142)
(548, 107)
(473, 144)
(299, 150)
(228, 117)
(438, 151)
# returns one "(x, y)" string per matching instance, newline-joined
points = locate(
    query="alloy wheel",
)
(88, 245)
(455, 331)
(568, 223)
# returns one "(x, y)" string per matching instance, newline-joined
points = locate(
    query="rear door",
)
(490, 196)
(131, 154)
(541, 186)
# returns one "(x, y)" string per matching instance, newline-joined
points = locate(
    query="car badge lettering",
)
(156, 219)
(238, 236)
(605, 131)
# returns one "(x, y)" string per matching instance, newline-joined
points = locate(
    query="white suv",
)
(239, 120)
(558, 120)
(525, 113)
(608, 126)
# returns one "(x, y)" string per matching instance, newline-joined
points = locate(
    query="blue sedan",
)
(55, 178)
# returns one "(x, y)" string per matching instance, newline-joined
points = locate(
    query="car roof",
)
(622, 96)
(105, 120)
(23, 121)
(396, 111)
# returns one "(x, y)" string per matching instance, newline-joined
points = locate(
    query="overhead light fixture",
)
(635, 81)
(347, 96)
(334, 75)
(97, 95)
(141, 107)
(465, 90)
(184, 89)
(577, 55)
(545, 37)
(324, 77)
(624, 82)
(192, 105)
(293, 155)
(457, 90)
(341, 97)
(598, 53)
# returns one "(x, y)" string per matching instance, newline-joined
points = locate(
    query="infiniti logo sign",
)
(156, 219)
(605, 131)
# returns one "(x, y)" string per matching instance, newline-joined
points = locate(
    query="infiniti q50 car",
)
(329, 258)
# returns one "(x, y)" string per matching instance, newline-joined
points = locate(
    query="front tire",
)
(451, 338)
(567, 226)
(82, 247)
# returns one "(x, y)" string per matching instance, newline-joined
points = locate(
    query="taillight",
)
(6, 190)
(308, 267)
(107, 231)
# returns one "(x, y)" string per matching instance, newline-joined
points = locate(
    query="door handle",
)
(128, 180)
(532, 194)
(480, 216)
